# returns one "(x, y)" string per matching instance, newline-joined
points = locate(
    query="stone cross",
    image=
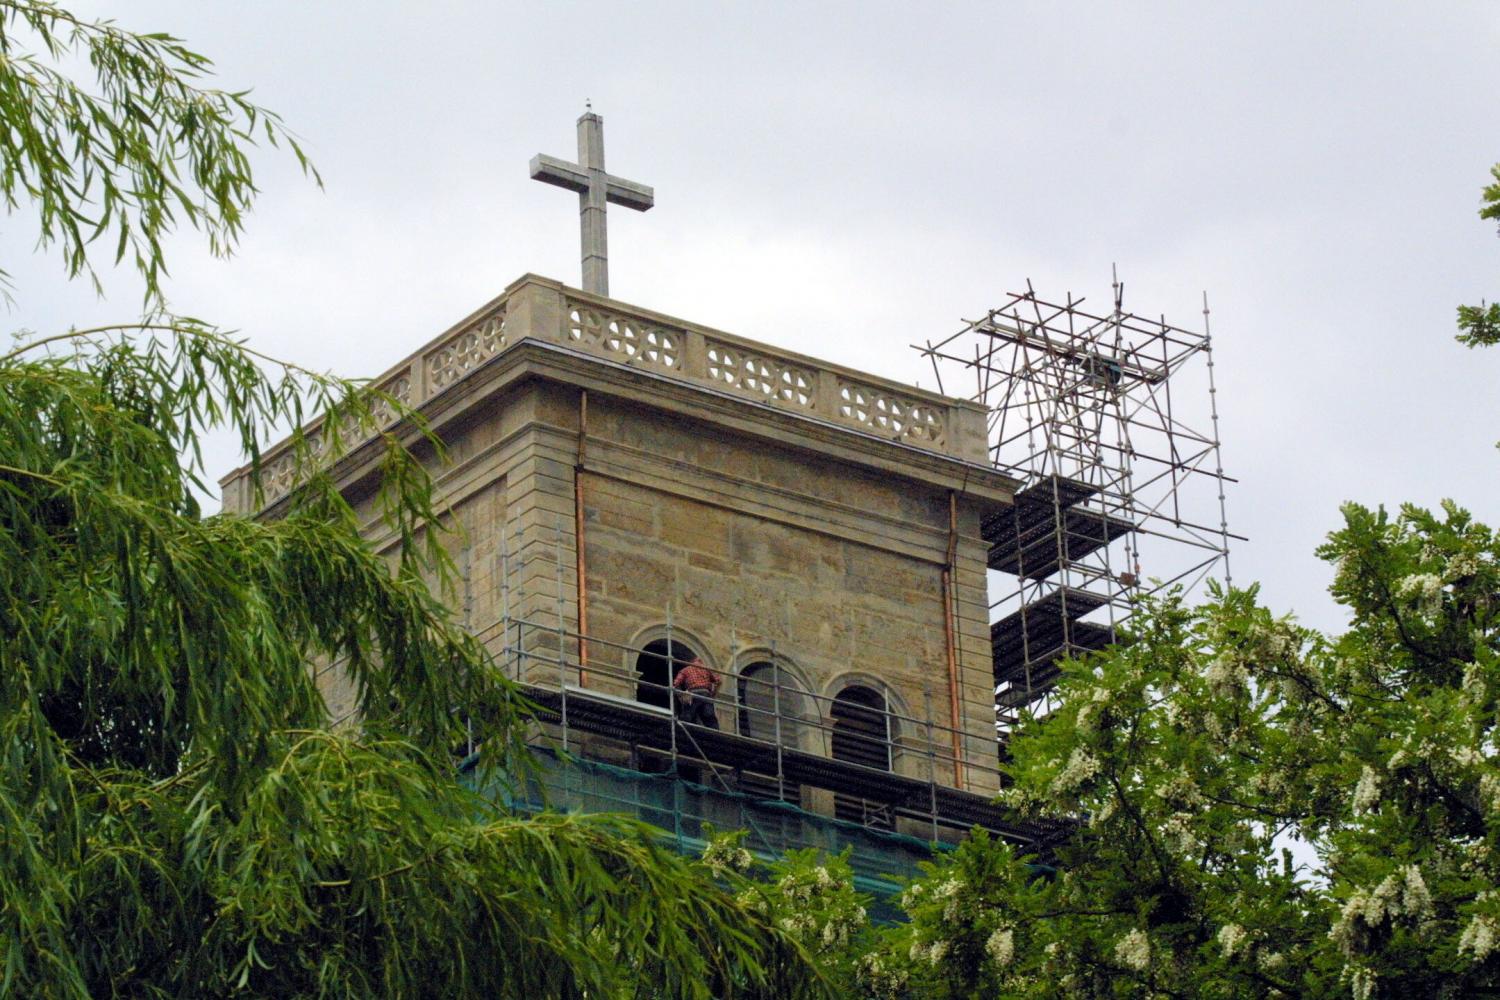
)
(594, 187)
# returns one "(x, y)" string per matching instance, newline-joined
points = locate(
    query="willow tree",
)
(176, 817)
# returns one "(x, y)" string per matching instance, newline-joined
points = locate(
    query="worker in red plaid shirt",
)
(696, 688)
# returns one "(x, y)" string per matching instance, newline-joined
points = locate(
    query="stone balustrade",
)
(543, 310)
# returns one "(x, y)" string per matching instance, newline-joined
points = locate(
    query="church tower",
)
(750, 587)
(636, 490)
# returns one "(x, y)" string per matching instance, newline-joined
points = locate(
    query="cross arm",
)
(628, 193)
(551, 170)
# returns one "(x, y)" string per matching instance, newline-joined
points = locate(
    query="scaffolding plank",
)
(1035, 504)
(1038, 555)
(1044, 627)
(1083, 637)
(1025, 541)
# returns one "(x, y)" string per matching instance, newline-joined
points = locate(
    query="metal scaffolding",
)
(1110, 420)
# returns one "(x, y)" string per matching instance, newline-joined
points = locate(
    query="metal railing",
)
(537, 653)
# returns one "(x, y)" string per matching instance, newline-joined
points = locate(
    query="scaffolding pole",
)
(1098, 415)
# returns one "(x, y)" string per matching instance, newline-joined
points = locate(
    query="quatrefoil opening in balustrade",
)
(620, 338)
(723, 365)
(854, 405)
(381, 408)
(924, 425)
(760, 377)
(796, 387)
(893, 415)
(889, 415)
(585, 326)
(757, 377)
(466, 352)
(660, 348)
(278, 478)
(491, 335)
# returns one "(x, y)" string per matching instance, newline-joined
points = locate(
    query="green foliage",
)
(1479, 326)
(180, 821)
(128, 158)
(809, 895)
(1175, 883)
(967, 934)
(1258, 810)
(177, 819)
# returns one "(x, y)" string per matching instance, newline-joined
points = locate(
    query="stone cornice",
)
(541, 328)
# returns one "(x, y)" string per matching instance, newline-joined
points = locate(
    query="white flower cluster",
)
(1489, 791)
(1482, 935)
(1105, 811)
(1134, 950)
(1462, 565)
(1226, 675)
(836, 931)
(1474, 686)
(947, 894)
(1361, 981)
(726, 854)
(1081, 767)
(818, 914)
(1178, 831)
(800, 888)
(1467, 756)
(1403, 893)
(1001, 946)
(1367, 792)
(1232, 938)
(1425, 590)
(933, 953)
(1087, 715)
(1277, 642)
(1180, 788)
(880, 981)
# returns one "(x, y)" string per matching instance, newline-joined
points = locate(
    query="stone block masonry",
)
(752, 499)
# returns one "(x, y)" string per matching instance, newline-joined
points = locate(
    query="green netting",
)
(682, 809)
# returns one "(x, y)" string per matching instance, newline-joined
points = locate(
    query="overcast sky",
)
(844, 180)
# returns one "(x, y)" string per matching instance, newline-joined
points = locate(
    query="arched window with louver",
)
(862, 735)
(772, 706)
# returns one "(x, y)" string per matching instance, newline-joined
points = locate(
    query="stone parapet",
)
(540, 309)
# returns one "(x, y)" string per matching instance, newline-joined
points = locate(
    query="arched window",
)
(759, 701)
(772, 706)
(862, 735)
(655, 667)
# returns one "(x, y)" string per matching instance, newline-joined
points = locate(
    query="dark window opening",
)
(655, 667)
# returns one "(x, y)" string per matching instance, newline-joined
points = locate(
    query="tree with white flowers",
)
(1258, 810)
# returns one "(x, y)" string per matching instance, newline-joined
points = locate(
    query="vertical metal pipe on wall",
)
(581, 567)
(949, 609)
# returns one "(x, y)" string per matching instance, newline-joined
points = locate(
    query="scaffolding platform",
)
(650, 730)
(1024, 541)
(1084, 637)
(1043, 632)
